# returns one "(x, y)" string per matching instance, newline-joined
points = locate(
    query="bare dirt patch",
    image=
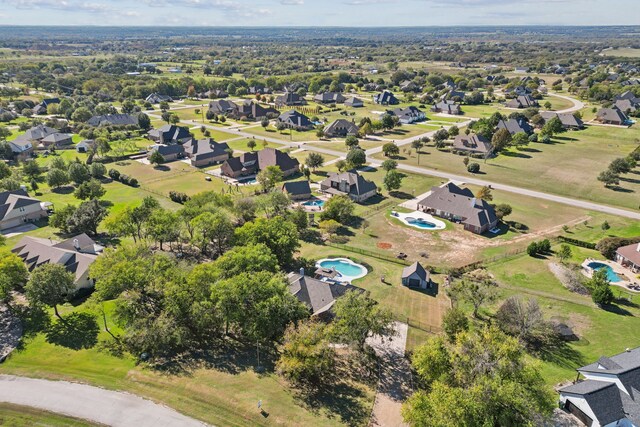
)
(384, 245)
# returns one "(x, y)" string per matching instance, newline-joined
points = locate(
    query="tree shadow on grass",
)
(401, 195)
(619, 189)
(616, 309)
(77, 331)
(341, 400)
(519, 154)
(630, 180)
(560, 353)
(67, 189)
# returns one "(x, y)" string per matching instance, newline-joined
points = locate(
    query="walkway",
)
(112, 408)
(395, 378)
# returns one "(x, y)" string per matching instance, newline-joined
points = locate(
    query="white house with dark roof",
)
(341, 128)
(415, 276)
(17, 208)
(408, 115)
(568, 120)
(205, 152)
(354, 102)
(459, 204)
(75, 254)
(473, 144)
(170, 134)
(385, 98)
(351, 184)
(515, 126)
(608, 394)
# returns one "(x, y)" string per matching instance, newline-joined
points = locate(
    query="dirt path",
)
(395, 378)
(95, 404)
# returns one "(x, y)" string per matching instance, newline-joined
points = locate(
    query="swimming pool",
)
(348, 269)
(420, 220)
(314, 203)
(611, 275)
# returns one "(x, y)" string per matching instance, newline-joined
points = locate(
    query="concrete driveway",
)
(95, 404)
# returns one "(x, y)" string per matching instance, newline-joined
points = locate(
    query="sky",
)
(346, 13)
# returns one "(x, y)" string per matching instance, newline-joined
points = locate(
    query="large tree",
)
(339, 208)
(278, 234)
(482, 379)
(50, 284)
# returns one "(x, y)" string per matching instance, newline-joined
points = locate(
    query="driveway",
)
(112, 408)
(577, 104)
(395, 378)
(16, 231)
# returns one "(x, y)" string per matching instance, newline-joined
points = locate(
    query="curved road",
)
(577, 104)
(112, 408)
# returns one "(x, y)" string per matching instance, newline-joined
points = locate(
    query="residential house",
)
(223, 107)
(473, 144)
(250, 110)
(385, 98)
(205, 152)
(522, 101)
(518, 91)
(8, 113)
(349, 183)
(56, 139)
(24, 144)
(409, 86)
(295, 120)
(21, 150)
(41, 108)
(516, 126)
(297, 190)
(607, 394)
(341, 128)
(629, 257)
(354, 102)
(521, 70)
(612, 116)
(568, 120)
(114, 120)
(169, 153)
(156, 98)
(628, 95)
(415, 276)
(330, 98)
(457, 204)
(37, 133)
(251, 163)
(214, 94)
(319, 296)
(17, 208)
(454, 95)
(408, 115)
(447, 107)
(627, 105)
(75, 254)
(85, 146)
(170, 134)
(289, 99)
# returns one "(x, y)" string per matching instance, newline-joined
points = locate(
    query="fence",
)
(418, 325)
(576, 242)
(376, 209)
(371, 254)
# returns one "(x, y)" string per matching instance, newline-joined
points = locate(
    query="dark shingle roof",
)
(417, 268)
(317, 295)
(358, 185)
(462, 203)
(114, 120)
(297, 188)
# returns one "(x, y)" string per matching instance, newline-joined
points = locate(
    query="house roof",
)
(75, 254)
(297, 188)
(515, 126)
(295, 118)
(57, 137)
(472, 142)
(567, 119)
(358, 185)
(168, 150)
(260, 160)
(385, 97)
(612, 115)
(37, 133)
(604, 399)
(114, 120)
(630, 252)
(462, 203)
(415, 268)
(329, 97)
(406, 113)
(170, 133)
(626, 105)
(11, 200)
(448, 106)
(342, 126)
(205, 148)
(353, 101)
(222, 106)
(289, 98)
(522, 101)
(319, 296)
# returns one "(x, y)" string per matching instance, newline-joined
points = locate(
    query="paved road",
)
(395, 378)
(95, 404)
(577, 104)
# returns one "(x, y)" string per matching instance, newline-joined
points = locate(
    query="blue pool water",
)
(611, 275)
(319, 203)
(248, 181)
(421, 223)
(344, 268)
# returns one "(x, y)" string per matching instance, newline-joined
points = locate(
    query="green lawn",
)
(285, 135)
(241, 144)
(224, 393)
(18, 416)
(569, 166)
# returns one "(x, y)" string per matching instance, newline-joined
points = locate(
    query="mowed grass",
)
(286, 135)
(224, 394)
(569, 166)
(18, 416)
(601, 332)
(626, 52)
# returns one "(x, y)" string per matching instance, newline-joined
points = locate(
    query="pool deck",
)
(630, 284)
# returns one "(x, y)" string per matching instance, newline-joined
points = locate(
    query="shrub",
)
(114, 174)
(178, 197)
(608, 246)
(533, 249)
(473, 167)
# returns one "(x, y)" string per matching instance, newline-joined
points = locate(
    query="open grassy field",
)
(220, 390)
(569, 166)
(625, 52)
(287, 135)
(19, 416)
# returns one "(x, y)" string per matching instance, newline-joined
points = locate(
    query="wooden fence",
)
(371, 254)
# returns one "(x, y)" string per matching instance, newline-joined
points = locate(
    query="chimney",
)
(638, 248)
(302, 271)
(76, 244)
(473, 201)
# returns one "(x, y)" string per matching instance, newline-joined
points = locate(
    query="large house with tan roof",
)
(459, 204)
(251, 163)
(629, 257)
(75, 254)
(351, 184)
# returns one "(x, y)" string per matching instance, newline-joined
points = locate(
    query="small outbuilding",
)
(415, 276)
(297, 190)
